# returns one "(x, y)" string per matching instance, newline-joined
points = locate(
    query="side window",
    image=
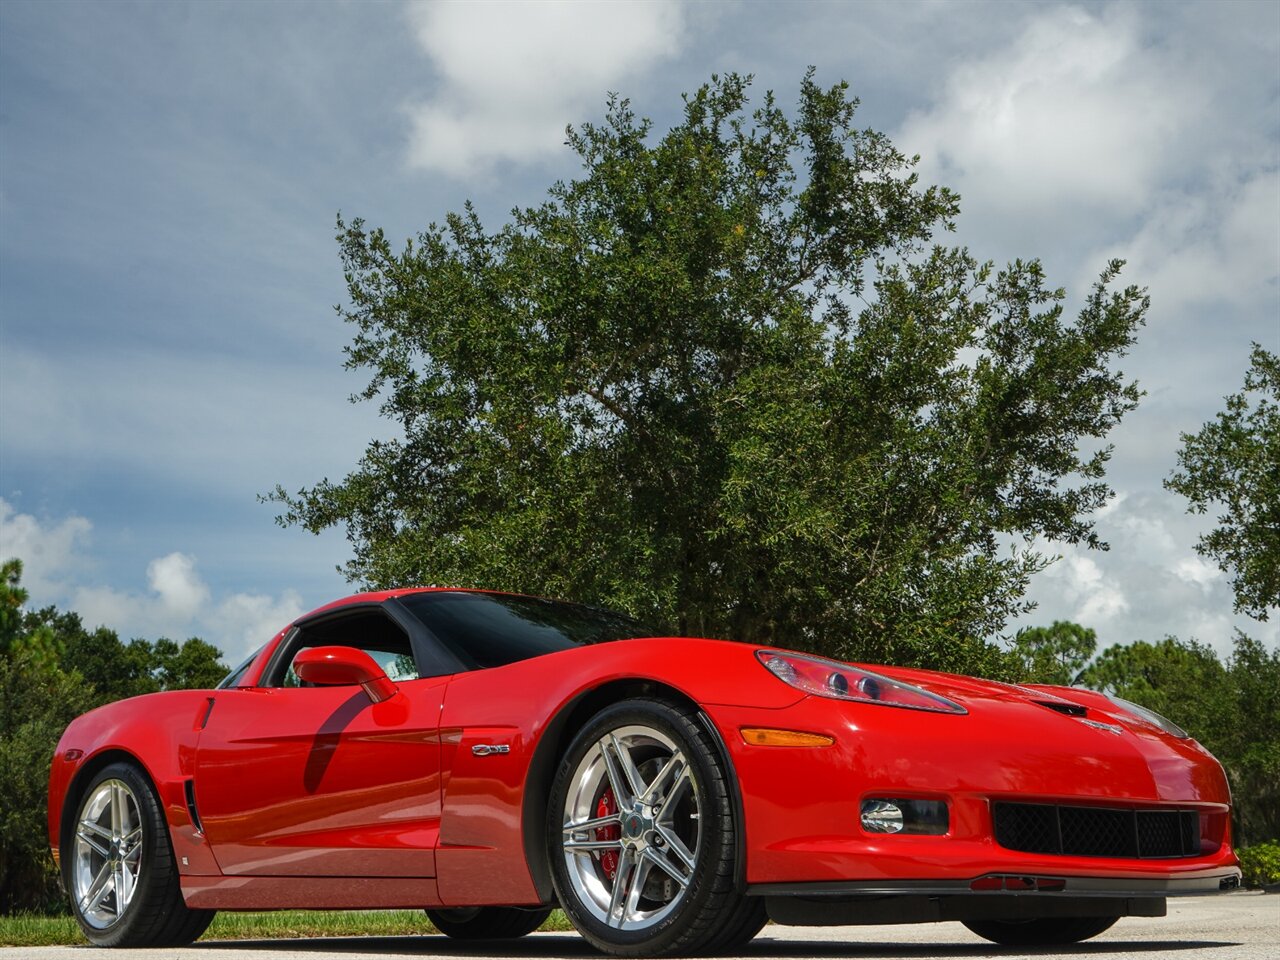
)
(369, 630)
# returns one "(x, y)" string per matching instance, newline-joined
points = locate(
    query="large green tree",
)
(724, 381)
(1233, 464)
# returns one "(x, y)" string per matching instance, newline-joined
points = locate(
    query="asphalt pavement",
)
(1237, 926)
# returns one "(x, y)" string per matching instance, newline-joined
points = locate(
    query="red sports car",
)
(488, 756)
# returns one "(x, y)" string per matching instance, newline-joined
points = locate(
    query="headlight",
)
(1150, 716)
(839, 681)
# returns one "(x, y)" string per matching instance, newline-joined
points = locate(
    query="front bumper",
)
(1219, 881)
(801, 805)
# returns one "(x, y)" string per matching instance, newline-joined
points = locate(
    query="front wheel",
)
(118, 865)
(642, 834)
(1046, 932)
(488, 923)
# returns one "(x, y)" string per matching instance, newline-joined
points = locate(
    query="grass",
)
(30, 930)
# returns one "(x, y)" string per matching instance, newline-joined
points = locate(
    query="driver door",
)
(297, 780)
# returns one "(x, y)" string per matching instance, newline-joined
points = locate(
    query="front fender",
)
(159, 733)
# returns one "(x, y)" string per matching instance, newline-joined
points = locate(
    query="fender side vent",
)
(189, 786)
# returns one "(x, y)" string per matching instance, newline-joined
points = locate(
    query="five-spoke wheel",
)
(642, 833)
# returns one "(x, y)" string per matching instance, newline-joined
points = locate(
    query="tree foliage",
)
(116, 669)
(1233, 463)
(1053, 654)
(723, 381)
(51, 670)
(37, 701)
(1233, 708)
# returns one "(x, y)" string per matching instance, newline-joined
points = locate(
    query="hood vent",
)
(1063, 706)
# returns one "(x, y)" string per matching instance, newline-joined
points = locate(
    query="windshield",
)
(490, 630)
(233, 678)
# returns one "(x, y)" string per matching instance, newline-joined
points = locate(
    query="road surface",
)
(1238, 926)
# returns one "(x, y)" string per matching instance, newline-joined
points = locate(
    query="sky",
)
(170, 177)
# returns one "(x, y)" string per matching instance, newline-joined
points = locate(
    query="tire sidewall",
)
(713, 802)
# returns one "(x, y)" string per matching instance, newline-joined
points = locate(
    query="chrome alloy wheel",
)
(108, 854)
(631, 828)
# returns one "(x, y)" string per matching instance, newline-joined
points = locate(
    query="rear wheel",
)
(488, 923)
(1046, 932)
(642, 836)
(118, 866)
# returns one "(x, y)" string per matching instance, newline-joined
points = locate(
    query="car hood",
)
(1089, 706)
(969, 689)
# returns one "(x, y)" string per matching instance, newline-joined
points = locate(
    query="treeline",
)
(52, 669)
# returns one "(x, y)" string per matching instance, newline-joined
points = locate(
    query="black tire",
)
(677, 840)
(740, 929)
(488, 923)
(154, 913)
(1046, 932)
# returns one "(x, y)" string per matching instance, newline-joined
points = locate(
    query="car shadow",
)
(762, 948)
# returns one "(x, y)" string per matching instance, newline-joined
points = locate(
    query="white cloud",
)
(1195, 570)
(177, 602)
(1217, 246)
(1077, 110)
(249, 620)
(1150, 584)
(180, 604)
(513, 74)
(46, 550)
(1096, 599)
(182, 593)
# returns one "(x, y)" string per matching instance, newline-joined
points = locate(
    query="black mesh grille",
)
(1190, 823)
(1097, 831)
(1159, 834)
(1028, 826)
(1091, 832)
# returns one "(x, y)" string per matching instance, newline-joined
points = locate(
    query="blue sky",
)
(170, 175)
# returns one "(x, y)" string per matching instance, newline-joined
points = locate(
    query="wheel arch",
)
(555, 739)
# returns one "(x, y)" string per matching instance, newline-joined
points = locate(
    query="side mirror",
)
(343, 666)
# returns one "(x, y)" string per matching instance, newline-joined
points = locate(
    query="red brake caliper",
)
(605, 808)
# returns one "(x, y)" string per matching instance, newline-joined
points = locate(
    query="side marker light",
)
(768, 737)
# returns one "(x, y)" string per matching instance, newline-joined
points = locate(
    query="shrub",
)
(1260, 864)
